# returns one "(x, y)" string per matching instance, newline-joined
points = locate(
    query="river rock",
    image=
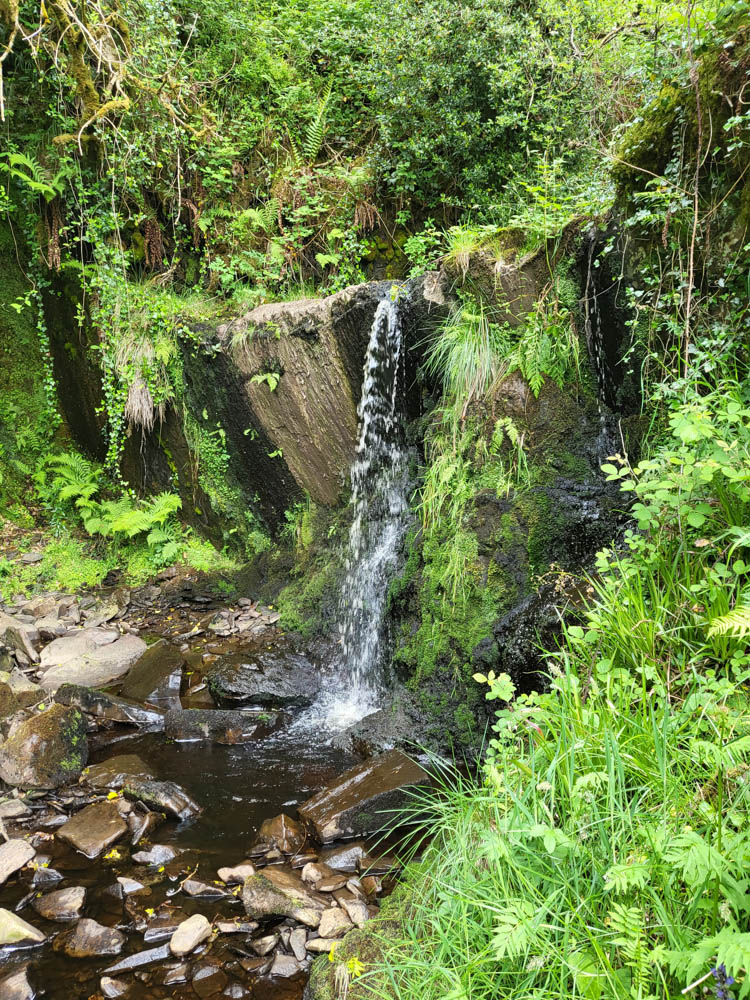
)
(280, 677)
(264, 945)
(208, 981)
(156, 676)
(142, 822)
(72, 647)
(13, 809)
(139, 959)
(321, 946)
(334, 923)
(9, 704)
(157, 854)
(110, 988)
(18, 636)
(64, 904)
(215, 725)
(283, 833)
(106, 706)
(365, 799)
(46, 751)
(88, 939)
(16, 986)
(14, 854)
(26, 692)
(297, 940)
(117, 771)
(15, 931)
(163, 795)
(194, 887)
(344, 858)
(238, 874)
(94, 828)
(315, 871)
(356, 910)
(97, 667)
(189, 935)
(276, 892)
(285, 966)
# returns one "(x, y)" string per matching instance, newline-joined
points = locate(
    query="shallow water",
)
(238, 787)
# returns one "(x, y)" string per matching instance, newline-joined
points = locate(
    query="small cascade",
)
(380, 491)
(607, 443)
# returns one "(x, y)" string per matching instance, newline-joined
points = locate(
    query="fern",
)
(735, 624)
(620, 879)
(30, 172)
(316, 130)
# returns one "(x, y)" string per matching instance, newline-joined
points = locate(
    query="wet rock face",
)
(364, 799)
(276, 892)
(277, 679)
(316, 347)
(217, 726)
(164, 796)
(46, 751)
(105, 706)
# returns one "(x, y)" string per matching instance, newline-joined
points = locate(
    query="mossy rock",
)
(46, 751)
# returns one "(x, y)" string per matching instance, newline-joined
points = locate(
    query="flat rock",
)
(117, 771)
(283, 833)
(321, 946)
(276, 678)
(15, 931)
(14, 854)
(163, 795)
(97, 668)
(16, 986)
(94, 828)
(45, 751)
(194, 887)
(217, 726)
(276, 892)
(64, 904)
(139, 959)
(13, 809)
(157, 854)
(156, 676)
(344, 858)
(107, 706)
(334, 923)
(208, 981)
(285, 966)
(264, 945)
(189, 935)
(88, 939)
(72, 647)
(365, 799)
(238, 874)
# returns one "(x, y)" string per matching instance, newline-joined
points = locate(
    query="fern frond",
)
(736, 623)
(316, 130)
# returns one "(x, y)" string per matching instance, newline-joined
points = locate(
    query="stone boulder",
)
(46, 751)
(279, 677)
(110, 708)
(365, 799)
(95, 828)
(117, 771)
(276, 892)
(82, 660)
(18, 636)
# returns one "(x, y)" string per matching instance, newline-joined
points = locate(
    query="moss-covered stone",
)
(46, 751)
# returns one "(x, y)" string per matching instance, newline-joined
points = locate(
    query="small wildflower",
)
(534, 963)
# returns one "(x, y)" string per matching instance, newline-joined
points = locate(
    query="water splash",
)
(380, 490)
(606, 443)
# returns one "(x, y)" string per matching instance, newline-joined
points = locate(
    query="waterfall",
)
(594, 328)
(380, 490)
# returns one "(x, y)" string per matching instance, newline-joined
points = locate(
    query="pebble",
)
(237, 874)
(321, 946)
(112, 987)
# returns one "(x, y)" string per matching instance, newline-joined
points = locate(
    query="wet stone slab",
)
(94, 828)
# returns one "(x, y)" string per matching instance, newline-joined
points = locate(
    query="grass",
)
(602, 850)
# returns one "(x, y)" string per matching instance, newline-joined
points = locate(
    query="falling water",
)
(607, 442)
(380, 488)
